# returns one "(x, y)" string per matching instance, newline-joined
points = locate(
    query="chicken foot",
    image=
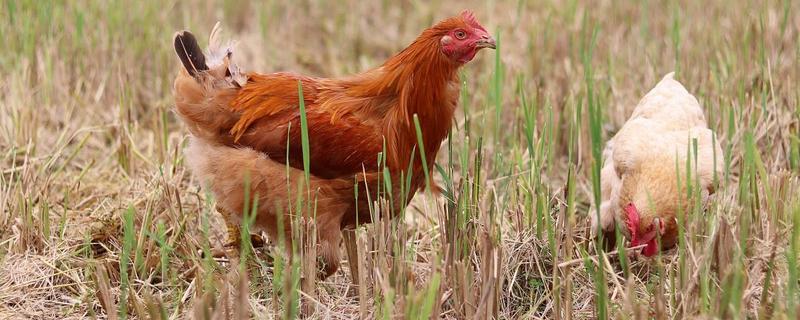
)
(234, 241)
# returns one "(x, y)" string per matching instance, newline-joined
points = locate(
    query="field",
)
(100, 218)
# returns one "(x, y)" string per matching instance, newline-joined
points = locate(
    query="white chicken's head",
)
(646, 233)
(648, 202)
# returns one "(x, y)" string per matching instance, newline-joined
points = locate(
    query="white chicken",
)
(643, 180)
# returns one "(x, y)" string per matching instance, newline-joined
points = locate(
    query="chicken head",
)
(460, 42)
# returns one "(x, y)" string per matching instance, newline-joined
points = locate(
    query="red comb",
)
(468, 15)
(632, 221)
(469, 18)
(651, 248)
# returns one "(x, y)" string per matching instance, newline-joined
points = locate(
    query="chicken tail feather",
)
(189, 53)
(206, 86)
(216, 61)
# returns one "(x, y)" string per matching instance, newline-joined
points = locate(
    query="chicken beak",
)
(651, 238)
(486, 41)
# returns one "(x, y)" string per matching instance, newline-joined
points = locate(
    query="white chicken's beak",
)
(658, 228)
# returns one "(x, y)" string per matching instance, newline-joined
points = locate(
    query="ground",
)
(101, 218)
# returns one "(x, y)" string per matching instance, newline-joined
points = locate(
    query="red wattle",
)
(651, 248)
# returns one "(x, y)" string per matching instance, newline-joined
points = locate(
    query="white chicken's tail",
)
(670, 105)
(206, 85)
(669, 85)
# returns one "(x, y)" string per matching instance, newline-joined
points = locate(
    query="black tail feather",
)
(190, 53)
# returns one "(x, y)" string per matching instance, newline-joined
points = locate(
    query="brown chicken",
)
(246, 126)
(644, 175)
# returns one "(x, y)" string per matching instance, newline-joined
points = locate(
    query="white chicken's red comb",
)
(632, 221)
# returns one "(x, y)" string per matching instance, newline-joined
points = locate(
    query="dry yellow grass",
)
(100, 218)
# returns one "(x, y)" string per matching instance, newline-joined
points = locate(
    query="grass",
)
(99, 217)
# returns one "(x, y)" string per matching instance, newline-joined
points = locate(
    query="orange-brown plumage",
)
(350, 119)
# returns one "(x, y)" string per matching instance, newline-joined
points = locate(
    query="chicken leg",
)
(234, 232)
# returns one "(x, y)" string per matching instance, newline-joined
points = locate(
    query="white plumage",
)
(640, 161)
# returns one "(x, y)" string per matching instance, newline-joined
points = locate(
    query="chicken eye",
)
(460, 34)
